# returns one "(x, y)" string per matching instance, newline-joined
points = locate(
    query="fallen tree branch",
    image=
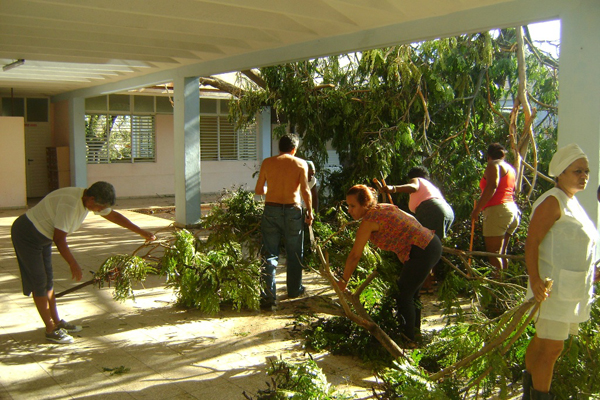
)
(515, 322)
(482, 254)
(361, 317)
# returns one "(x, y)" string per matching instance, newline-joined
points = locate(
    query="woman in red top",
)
(500, 212)
(391, 229)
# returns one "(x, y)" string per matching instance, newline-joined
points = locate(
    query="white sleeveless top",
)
(567, 256)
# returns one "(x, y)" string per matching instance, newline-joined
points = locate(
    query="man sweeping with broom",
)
(58, 214)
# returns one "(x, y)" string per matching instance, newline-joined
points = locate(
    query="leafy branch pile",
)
(223, 268)
(125, 271)
(205, 280)
(297, 381)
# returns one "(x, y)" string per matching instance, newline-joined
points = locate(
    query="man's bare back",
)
(287, 178)
(283, 174)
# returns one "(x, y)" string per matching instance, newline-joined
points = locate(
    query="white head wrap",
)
(313, 180)
(565, 157)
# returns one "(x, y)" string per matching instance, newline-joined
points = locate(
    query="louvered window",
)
(247, 143)
(120, 138)
(219, 140)
(142, 138)
(209, 138)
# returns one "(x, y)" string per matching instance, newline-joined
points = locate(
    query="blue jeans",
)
(287, 223)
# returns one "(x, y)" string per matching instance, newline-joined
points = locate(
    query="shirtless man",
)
(287, 179)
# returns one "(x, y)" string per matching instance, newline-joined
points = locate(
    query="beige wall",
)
(158, 178)
(155, 178)
(219, 175)
(60, 116)
(13, 186)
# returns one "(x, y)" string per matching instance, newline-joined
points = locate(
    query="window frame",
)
(105, 156)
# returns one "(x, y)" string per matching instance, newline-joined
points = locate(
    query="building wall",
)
(13, 186)
(144, 178)
(59, 115)
(158, 178)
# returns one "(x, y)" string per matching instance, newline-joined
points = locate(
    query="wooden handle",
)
(379, 188)
(75, 288)
(389, 196)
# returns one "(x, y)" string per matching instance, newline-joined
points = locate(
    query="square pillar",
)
(77, 145)
(186, 116)
(264, 134)
(579, 98)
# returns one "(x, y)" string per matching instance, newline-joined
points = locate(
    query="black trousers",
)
(414, 272)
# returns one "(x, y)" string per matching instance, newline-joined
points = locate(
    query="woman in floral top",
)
(390, 228)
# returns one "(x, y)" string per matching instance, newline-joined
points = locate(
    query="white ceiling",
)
(72, 45)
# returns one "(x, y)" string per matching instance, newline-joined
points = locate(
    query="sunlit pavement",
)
(167, 352)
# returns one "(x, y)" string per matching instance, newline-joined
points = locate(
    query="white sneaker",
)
(59, 336)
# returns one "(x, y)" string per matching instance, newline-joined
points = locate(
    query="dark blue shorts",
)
(34, 254)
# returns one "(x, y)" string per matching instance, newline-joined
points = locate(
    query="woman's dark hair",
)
(103, 193)
(365, 195)
(418, 172)
(496, 151)
(288, 142)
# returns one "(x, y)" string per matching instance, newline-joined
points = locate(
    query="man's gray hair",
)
(103, 193)
(288, 142)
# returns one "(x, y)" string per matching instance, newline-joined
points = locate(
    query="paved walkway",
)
(171, 353)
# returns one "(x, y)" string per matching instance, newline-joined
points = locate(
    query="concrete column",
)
(77, 145)
(579, 99)
(264, 134)
(186, 116)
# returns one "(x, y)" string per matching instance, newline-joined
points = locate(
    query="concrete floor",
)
(171, 353)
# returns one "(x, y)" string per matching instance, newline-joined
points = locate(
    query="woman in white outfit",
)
(560, 245)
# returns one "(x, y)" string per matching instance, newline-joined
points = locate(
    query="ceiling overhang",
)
(82, 48)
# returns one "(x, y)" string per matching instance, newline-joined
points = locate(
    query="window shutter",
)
(209, 139)
(227, 140)
(143, 140)
(247, 143)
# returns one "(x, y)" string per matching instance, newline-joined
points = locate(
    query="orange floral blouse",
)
(398, 231)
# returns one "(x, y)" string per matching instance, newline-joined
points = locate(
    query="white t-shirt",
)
(61, 209)
(567, 255)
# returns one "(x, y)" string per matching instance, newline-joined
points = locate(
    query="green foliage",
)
(298, 381)
(205, 280)
(117, 370)
(125, 271)
(340, 336)
(576, 370)
(434, 103)
(235, 218)
(407, 380)
(438, 103)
